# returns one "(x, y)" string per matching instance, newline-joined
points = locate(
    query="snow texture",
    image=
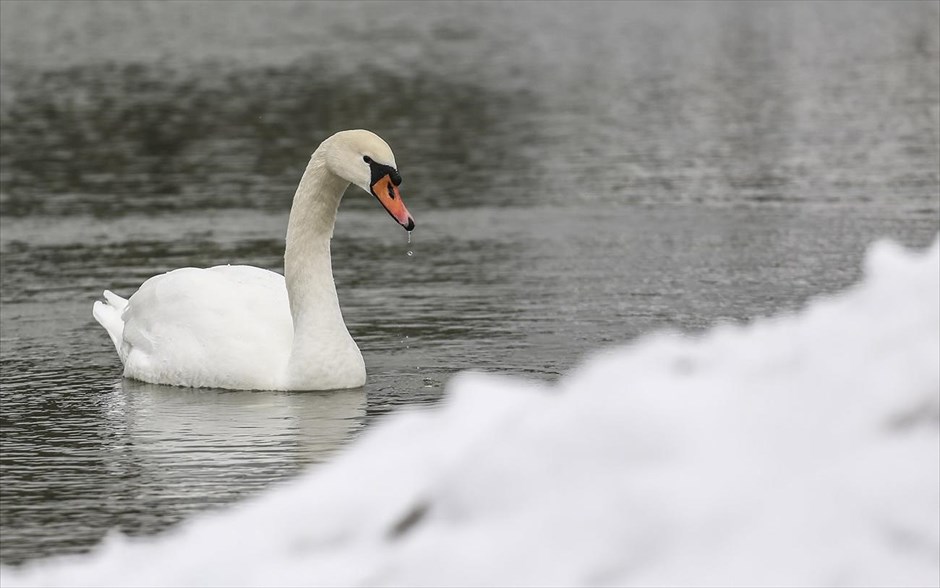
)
(799, 450)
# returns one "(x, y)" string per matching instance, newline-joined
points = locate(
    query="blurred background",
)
(580, 174)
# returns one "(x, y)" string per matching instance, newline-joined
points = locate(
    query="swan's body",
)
(242, 327)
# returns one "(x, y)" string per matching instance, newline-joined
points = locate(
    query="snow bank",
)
(798, 450)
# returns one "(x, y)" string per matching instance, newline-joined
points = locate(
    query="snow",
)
(801, 449)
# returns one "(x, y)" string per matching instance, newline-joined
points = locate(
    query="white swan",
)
(246, 328)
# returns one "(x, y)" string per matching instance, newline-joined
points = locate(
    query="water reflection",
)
(236, 433)
(145, 456)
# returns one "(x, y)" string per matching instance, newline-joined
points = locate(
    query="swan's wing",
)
(225, 326)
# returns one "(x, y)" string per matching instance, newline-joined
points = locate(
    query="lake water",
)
(580, 174)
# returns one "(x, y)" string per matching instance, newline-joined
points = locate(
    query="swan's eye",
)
(367, 159)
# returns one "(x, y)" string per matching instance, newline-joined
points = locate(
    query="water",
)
(579, 176)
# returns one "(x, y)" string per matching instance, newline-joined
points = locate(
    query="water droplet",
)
(409, 237)
(410, 253)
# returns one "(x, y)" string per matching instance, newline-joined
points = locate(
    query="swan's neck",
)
(322, 347)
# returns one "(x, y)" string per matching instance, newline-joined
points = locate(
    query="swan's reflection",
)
(179, 450)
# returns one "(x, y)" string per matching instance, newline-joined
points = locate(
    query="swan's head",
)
(364, 159)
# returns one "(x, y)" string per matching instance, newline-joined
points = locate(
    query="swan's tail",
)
(109, 315)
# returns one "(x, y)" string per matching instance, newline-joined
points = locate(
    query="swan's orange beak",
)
(387, 193)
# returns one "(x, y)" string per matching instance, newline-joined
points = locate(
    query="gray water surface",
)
(580, 175)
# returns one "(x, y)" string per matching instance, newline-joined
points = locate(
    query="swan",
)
(240, 327)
